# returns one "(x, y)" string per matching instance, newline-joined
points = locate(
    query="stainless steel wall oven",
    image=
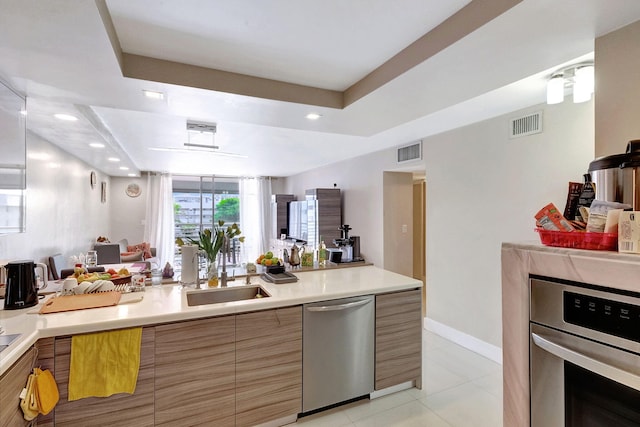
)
(584, 355)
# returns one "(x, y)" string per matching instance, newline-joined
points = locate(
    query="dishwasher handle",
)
(339, 306)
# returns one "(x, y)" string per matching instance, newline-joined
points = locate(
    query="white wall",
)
(360, 181)
(64, 215)
(483, 189)
(398, 222)
(128, 214)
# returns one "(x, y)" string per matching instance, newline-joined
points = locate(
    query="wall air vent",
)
(526, 125)
(408, 153)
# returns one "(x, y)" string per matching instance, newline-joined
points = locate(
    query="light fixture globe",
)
(583, 83)
(555, 89)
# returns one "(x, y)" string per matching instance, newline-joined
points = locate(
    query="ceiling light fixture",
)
(65, 117)
(96, 145)
(578, 77)
(153, 94)
(131, 174)
(200, 137)
(583, 83)
(196, 149)
(113, 159)
(313, 116)
(124, 168)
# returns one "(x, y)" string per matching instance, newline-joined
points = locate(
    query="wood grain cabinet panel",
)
(195, 373)
(268, 365)
(12, 382)
(121, 409)
(46, 360)
(398, 338)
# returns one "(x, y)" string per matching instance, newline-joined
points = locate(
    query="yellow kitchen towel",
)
(104, 363)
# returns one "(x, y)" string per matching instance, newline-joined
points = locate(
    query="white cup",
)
(137, 281)
(69, 283)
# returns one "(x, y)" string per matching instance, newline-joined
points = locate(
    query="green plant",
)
(210, 242)
(228, 209)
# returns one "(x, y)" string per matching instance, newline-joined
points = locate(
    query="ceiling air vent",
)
(411, 152)
(526, 125)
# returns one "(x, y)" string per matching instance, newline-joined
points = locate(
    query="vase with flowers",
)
(210, 243)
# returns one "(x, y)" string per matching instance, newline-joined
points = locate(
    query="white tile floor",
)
(460, 389)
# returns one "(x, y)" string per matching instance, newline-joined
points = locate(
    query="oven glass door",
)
(579, 382)
(593, 400)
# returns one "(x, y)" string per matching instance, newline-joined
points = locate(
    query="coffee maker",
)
(22, 289)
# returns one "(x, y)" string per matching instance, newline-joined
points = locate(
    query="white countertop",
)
(168, 303)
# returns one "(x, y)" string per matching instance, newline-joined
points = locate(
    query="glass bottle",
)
(322, 254)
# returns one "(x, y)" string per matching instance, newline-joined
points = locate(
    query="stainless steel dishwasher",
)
(337, 351)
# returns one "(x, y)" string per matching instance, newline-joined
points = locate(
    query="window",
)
(200, 201)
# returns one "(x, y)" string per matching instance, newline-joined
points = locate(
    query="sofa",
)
(121, 252)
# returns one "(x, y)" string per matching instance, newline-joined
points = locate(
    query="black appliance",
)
(22, 289)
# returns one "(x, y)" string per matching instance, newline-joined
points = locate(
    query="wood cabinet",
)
(11, 384)
(268, 365)
(398, 338)
(195, 373)
(118, 410)
(235, 370)
(46, 360)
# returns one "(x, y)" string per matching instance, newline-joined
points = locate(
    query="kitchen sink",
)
(6, 340)
(218, 295)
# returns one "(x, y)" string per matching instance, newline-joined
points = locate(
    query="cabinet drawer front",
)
(268, 365)
(398, 338)
(195, 373)
(116, 410)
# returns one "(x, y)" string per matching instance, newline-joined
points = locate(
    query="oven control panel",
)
(603, 315)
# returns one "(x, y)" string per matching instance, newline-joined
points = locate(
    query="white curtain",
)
(255, 216)
(159, 228)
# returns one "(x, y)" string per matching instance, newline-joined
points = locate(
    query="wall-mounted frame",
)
(103, 192)
(13, 164)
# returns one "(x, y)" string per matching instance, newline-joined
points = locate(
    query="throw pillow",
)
(131, 256)
(143, 247)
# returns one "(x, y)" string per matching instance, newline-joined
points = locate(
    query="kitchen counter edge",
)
(167, 304)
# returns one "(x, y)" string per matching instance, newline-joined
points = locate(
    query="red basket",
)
(579, 240)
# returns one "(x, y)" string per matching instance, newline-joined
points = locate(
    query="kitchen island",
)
(519, 261)
(165, 315)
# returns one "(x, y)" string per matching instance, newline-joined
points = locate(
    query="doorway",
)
(404, 219)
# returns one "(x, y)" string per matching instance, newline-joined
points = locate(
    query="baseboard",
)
(393, 389)
(467, 341)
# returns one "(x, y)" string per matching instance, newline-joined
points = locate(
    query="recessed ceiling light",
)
(153, 94)
(313, 116)
(113, 159)
(96, 145)
(67, 117)
(131, 174)
(23, 112)
(124, 168)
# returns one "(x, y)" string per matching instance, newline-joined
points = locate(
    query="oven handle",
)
(612, 372)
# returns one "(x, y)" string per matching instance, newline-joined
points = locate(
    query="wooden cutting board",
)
(80, 302)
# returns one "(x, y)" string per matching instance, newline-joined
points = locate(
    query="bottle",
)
(322, 254)
(587, 195)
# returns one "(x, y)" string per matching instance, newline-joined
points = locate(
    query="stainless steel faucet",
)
(223, 275)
